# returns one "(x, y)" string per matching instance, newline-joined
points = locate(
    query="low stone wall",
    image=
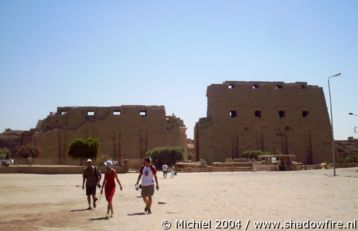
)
(350, 165)
(215, 167)
(181, 167)
(232, 164)
(265, 167)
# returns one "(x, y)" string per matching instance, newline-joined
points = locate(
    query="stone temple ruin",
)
(287, 118)
(275, 117)
(125, 132)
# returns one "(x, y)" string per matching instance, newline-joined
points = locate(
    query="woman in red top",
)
(110, 186)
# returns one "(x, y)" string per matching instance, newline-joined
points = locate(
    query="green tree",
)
(27, 150)
(77, 148)
(352, 158)
(5, 152)
(166, 155)
(92, 148)
(83, 149)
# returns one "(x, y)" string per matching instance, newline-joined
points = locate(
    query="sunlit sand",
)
(56, 202)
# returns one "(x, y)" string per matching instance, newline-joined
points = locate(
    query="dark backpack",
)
(97, 174)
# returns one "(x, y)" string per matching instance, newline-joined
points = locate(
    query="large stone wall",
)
(288, 118)
(124, 132)
(10, 139)
(347, 148)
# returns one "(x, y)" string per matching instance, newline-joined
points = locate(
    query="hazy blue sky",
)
(104, 53)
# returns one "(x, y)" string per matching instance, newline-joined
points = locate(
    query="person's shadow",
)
(78, 210)
(136, 214)
(99, 219)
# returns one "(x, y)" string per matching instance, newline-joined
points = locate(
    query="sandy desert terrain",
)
(57, 202)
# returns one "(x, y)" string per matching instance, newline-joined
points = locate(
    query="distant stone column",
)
(309, 159)
(119, 139)
(116, 141)
(64, 147)
(60, 147)
(182, 134)
(235, 145)
(262, 141)
(145, 141)
(197, 142)
(142, 143)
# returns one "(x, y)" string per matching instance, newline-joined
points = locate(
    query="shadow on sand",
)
(99, 219)
(137, 214)
(78, 210)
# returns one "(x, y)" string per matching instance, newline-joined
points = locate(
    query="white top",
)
(165, 167)
(148, 176)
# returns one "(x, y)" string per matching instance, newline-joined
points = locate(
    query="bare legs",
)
(89, 201)
(109, 209)
(94, 200)
(148, 203)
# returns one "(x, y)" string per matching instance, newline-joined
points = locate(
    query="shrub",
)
(352, 158)
(27, 150)
(77, 148)
(190, 156)
(253, 154)
(83, 149)
(166, 155)
(5, 153)
(92, 148)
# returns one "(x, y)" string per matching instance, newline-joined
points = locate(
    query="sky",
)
(111, 53)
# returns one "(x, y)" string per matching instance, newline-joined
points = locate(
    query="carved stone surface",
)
(124, 132)
(288, 118)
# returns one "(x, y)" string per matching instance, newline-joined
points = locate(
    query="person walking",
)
(92, 177)
(148, 174)
(29, 160)
(165, 170)
(109, 186)
(173, 172)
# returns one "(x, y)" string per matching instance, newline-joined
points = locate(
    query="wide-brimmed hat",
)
(89, 160)
(108, 163)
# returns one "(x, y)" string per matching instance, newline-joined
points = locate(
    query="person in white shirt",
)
(148, 173)
(165, 170)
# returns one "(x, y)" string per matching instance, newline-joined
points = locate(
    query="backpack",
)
(97, 173)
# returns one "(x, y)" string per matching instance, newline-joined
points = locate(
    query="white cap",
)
(89, 160)
(108, 163)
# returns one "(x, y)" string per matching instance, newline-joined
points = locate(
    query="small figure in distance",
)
(165, 170)
(173, 172)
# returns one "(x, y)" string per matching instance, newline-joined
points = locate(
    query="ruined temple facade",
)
(277, 117)
(124, 132)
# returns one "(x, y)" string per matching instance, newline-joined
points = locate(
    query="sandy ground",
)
(56, 202)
